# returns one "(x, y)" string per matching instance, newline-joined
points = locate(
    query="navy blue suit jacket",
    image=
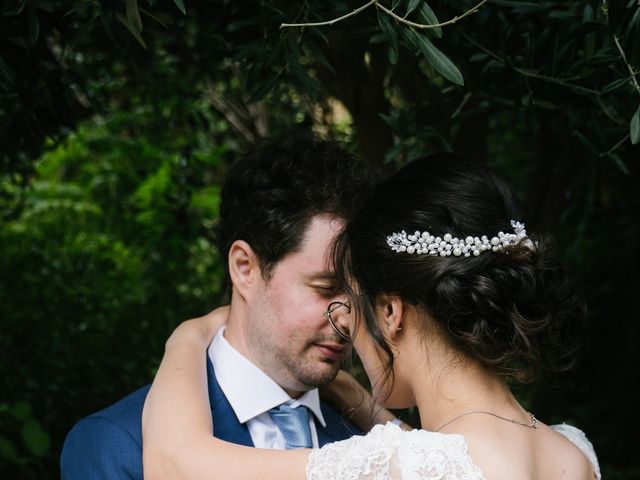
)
(108, 444)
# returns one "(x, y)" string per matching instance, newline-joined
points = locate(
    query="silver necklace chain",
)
(533, 423)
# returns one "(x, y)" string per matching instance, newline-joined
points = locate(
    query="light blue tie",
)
(294, 425)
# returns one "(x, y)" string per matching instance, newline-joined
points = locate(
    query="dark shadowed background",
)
(119, 118)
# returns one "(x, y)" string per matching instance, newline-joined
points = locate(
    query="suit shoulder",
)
(106, 444)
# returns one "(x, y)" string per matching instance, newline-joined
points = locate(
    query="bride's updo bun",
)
(513, 310)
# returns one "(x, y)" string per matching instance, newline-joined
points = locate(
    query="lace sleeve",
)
(389, 453)
(580, 440)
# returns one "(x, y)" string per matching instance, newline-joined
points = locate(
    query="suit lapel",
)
(226, 425)
(337, 427)
(229, 428)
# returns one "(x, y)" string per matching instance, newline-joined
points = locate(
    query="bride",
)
(441, 318)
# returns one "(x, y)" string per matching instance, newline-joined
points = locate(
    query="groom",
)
(281, 207)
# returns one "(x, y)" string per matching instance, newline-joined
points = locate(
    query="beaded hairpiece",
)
(423, 243)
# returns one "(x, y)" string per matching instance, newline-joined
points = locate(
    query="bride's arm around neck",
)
(177, 423)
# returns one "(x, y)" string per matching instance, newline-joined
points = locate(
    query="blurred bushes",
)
(110, 247)
(113, 153)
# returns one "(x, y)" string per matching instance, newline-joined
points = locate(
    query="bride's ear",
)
(390, 309)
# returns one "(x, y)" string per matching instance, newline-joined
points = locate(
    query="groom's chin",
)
(322, 376)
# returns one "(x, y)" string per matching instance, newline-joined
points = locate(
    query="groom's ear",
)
(390, 310)
(244, 267)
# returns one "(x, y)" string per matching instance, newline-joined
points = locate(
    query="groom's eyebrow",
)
(322, 276)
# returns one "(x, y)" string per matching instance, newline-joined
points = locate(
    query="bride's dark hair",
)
(512, 310)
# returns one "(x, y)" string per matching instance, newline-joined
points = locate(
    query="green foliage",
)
(634, 127)
(434, 57)
(111, 247)
(23, 442)
(117, 120)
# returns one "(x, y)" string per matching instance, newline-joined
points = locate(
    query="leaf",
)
(584, 29)
(478, 57)
(309, 83)
(388, 119)
(293, 44)
(35, 438)
(21, 411)
(435, 57)
(265, 88)
(137, 36)
(562, 14)
(377, 38)
(547, 105)
(15, 10)
(162, 21)
(634, 127)
(45, 5)
(7, 450)
(522, 7)
(413, 4)
(393, 153)
(514, 4)
(392, 54)
(319, 57)
(584, 141)
(588, 14)
(180, 5)
(428, 17)
(34, 26)
(601, 60)
(614, 85)
(619, 162)
(7, 72)
(240, 24)
(318, 32)
(634, 21)
(133, 16)
(390, 32)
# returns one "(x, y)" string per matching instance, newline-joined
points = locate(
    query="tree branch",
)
(331, 22)
(389, 12)
(557, 81)
(527, 73)
(423, 26)
(615, 147)
(634, 80)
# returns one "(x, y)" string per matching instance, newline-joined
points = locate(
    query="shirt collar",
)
(240, 380)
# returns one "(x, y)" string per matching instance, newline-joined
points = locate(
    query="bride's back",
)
(508, 452)
(457, 306)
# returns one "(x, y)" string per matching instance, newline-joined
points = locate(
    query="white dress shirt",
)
(252, 393)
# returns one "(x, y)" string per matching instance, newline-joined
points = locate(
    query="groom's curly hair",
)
(271, 194)
(514, 310)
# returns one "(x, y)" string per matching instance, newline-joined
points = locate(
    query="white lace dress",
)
(389, 453)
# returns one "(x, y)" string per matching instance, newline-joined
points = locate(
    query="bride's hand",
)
(200, 330)
(350, 398)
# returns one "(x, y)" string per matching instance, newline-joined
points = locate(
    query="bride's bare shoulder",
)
(571, 452)
(543, 453)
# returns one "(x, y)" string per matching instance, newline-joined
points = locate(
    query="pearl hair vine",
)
(423, 243)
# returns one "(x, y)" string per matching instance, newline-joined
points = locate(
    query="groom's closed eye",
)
(327, 291)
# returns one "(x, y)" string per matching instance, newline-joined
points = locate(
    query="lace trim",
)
(390, 453)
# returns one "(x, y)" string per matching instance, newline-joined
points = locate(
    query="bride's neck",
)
(455, 385)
